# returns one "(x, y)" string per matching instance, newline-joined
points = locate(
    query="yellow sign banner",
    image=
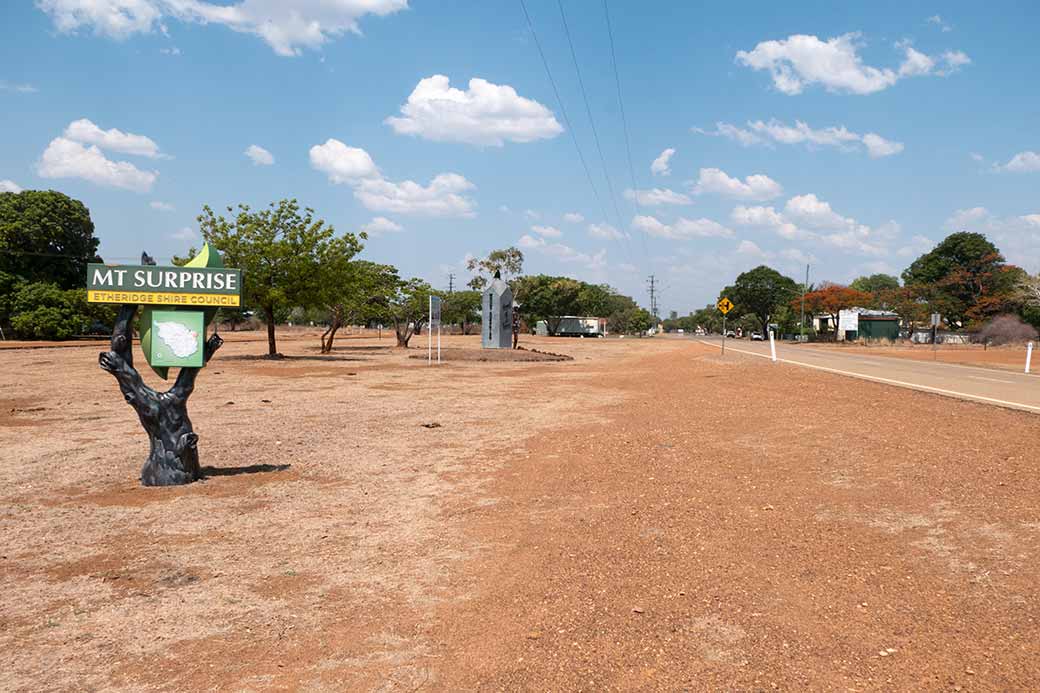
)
(725, 305)
(160, 298)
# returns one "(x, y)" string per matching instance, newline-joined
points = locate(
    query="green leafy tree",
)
(508, 262)
(548, 298)
(875, 285)
(630, 320)
(46, 236)
(408, 308)
(357, 293)
(760, 291)
(965, 277)
(46, 311)
(287, 257)
(462, 308)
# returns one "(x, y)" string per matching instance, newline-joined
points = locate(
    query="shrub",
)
(43, 311)
(1006, 329)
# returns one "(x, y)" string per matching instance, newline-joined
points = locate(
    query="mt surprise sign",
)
(168, 286)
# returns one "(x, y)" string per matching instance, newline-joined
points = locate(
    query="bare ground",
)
(648, 516)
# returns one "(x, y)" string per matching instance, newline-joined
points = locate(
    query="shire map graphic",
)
(181, 340)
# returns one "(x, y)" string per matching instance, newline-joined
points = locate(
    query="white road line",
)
(992, 380)
(888, 381)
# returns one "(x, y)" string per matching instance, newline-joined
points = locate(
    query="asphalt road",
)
(987, 385)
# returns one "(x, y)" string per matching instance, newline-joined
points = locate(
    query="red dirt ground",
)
(649, 516)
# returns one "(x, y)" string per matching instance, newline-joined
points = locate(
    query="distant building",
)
(575, 326)
(865, 323)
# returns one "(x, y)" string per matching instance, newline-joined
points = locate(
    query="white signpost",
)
(1029, 355)
(435, 321)
(772, 346)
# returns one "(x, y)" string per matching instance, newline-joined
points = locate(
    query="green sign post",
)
(179, 304)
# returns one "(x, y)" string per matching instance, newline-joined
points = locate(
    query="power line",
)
(624, 123)
(592, 123)
(563, 110)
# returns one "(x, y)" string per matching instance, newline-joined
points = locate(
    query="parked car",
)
(730, 334)
(757, 337)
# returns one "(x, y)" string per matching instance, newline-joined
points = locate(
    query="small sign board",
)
(435, 311)
(192, 287)
(725, 305)
(936, 319)
(177, 338)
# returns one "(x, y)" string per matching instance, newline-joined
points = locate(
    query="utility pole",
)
(451, 283)
(653, 297)
(804, 288)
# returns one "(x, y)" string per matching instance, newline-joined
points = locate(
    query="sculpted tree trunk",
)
(174, 456)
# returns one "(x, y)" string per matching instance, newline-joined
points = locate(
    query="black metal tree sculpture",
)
(174, 456)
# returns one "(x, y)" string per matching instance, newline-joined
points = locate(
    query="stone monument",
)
(497, 315)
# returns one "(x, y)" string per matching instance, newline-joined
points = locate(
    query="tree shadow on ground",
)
(282, 357)
(248, 469)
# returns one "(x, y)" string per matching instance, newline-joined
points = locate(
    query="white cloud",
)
(20, 88)
(116, 19)
(918, 245)
(661, 165)
(824, 225)
(287, 27)
(732, 132)
(441, 198)
(1023, 162)
(563, 252)
(802, 60)
(531, 214)
(975, 156)
(161, 206)
(750, 248)
(755, 187)
(342, 164)
(170, 51)
(185, 233)
(259, 155)
(878, 146)
(381, 225)
(682, 229)
(354, 167)
(939, 22)
(86, 132)
(605, 232)
(573, 218)
(1018, 237)
(64, 158)
(547, 231)
(7, 185)
(761, 132)
(485, 114)
(658, 196)
(814, 212)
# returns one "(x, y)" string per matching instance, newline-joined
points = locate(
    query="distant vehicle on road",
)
(731, 334)
(757, 337)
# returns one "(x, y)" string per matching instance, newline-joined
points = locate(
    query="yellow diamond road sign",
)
(725, 305)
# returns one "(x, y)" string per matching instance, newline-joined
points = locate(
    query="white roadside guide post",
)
(1029, 355)
(429, 336)
(772, 346)
(435, 319)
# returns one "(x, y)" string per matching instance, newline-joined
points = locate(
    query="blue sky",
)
(850, 139)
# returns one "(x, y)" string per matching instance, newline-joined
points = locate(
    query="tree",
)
(967, 277)
(45, 311)
(46, 236)
(832, 299)
(630, 320)
(761, 291)
(287, 259)
(875, 284)
(1007, 329)
(549, 299)
(462, 307)
(507, 261)
(408, 308)
(909, 303)
(357, 293)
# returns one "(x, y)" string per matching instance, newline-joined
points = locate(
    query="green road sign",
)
(177, 338)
